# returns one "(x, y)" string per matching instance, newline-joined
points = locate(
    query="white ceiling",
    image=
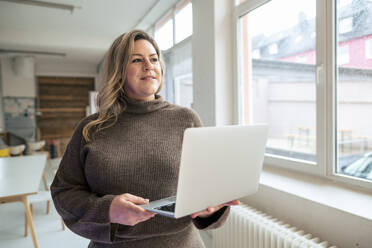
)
(83, 35)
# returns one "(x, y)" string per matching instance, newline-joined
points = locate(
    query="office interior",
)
(303, 67)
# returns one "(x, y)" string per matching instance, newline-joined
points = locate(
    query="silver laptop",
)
(218, 165)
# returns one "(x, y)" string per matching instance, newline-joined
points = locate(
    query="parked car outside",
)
(361, 168)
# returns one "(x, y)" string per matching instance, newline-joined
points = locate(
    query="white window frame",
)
(325, 94)
(171, 12)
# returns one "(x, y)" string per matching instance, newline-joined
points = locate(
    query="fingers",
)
(124, 210)
(194, 215)
(210, 210)
(235, 202)
(134, 219)
(135, 199)
(134, 208)
(136, 214)
(205, 213)
(232, 203)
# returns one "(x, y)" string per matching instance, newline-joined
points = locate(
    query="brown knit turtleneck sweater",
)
(139, 155)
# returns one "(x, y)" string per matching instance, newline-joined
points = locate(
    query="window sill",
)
(320, 190)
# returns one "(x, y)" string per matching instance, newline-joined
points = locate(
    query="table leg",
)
(63, 225)
(26, 225)
(46, 187)
(30, 220)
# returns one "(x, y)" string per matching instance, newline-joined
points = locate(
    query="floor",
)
(48, 228)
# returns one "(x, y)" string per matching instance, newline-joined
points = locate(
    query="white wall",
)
(2, 124)
(65, 68)
(212, 49)
(18, 83)
(14, 82)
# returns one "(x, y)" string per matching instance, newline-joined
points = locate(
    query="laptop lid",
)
(219, 164)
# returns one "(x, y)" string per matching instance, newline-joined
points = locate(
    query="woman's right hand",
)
(124, 210)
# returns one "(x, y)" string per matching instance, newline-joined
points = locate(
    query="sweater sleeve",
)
(84, 212)
(196, 121)
(218, 218)
(214, 221)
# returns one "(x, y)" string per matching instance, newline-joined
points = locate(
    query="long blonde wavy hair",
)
(110, 101)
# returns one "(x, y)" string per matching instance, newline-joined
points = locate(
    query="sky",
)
(278, 15)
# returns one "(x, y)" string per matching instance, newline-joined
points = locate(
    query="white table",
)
(20, 177)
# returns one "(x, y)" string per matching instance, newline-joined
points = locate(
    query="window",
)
(164, 32)
(183, 90)
(345, 25)
(353, 98)
(183, 20)
(174, 28)
(314, 94)
(368, 46)
(279, 92)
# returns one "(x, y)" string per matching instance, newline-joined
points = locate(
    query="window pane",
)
(184, 22)
(277, 81)
(183, 90)
(164, 35)
(354, 89)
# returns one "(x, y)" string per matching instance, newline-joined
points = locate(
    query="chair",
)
(36, 147)
(13, 139)
(17, 150)
(45, 195)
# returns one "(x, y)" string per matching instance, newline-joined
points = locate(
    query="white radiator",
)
(247, 227)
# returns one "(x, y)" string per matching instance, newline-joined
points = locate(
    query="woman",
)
(127, 154)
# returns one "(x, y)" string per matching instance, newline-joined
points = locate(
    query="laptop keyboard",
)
(169, 208)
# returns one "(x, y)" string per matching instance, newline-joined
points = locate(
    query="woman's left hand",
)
(211, 210)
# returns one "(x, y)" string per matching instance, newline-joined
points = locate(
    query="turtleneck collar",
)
(140, 107)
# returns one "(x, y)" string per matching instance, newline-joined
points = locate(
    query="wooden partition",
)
(62, 104)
